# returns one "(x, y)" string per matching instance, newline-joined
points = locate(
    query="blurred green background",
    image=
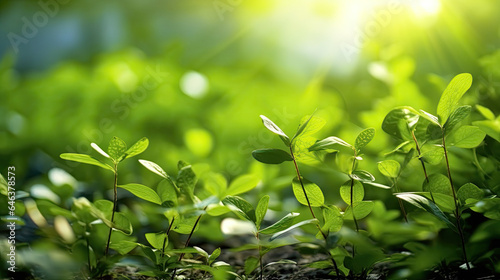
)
(194, 76)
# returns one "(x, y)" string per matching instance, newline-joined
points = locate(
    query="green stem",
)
(88, 252)
(187, 241)
(420, 156)
(325, 236)
(166, 236)
(115, 198)
(457, 210)
(260, 257)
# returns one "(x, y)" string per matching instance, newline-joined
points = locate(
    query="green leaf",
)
(261, 210)
(487, 113)
(438, 183)
(467, 137)
(399, 122)
(240, 207)
(123, 247)
(445, 202)
(279, 234)
(452, 94)
(116, 148)
(358, 192)
(333, 219)
(271, 156)
(251, 263)
(139, 147)
(389, 168)
(201, 251)
(280, 225)
(185, 224)
(275, 129)
(361, 210)
(122, 223)
(308, 126)
(426, 205)
(156, 239)
(329, 143)
(217, 210)
(430, 117)
(364, 137)
(186, 181)
(314, 193)
(86, 159)
(469, 190)
(215, 184)
(432, 154)
(456, 117)
(99, 150)
(242, 184)
(143, 192)
(492, 128)
(167, 192)
(362, 175)
(153, 167)
(215, 254)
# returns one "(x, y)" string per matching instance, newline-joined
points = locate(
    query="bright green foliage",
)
(456, 117)
(333, 219)
(86, 159)
(314, 193)
(283, 224)
(116, 149)
(469, 191)
(361, 210)
(452, 94)
(241, 207)
(389, 168)
(364, 137)
(156, 239)
(467, 137)
(438, 183)
(358, 192)
(426, 205)
(275, 129)
(400, 122)
(329, 143)
(242, 184)
(261, 210)
(143, 192)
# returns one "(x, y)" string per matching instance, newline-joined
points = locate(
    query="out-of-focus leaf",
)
(271, 156)
(243, 184)
(389, 168)
(467, 137)
(358, 192)
(452, 94)
(275, 129)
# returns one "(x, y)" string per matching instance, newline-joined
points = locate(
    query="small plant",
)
(117, 152)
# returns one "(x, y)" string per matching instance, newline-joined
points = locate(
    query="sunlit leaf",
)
(399, 122)
(167, 192)
(261, 210)
(156, 239)
(456, 117)
(271, 156)
(438, 183)
(468, 191)
(308, 126)
(241, 207)
(186, 181)
(452, 94)
(143, 192)
(280, 225)
(116, 148)
(242, 184)
(430, 117)
(467, 137)
(364, 137)
(139, 147)
(432, 154)
(361, 210)
(275, 129)
(333, 219)
(86, 159)
(153, 167)
(329, 143)
(279, 234)
(486, 112)
(99, 150)
(123, 247)
(389, 168)
(358, 192)
(314, 193)
(362, 175)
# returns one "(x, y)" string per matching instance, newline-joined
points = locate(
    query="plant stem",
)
(420, 156)
(260, 256)
(88, 252)
(166, 236)
(457, 210)
(187, 241)
(352, 194)
(325, 236)
(114, 207)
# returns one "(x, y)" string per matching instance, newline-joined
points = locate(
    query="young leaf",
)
(143, 192)
(309, 126)
(167, 192)
(156, 239)
(430, 117)
(329, 143)
(116, 148)
(469, 190)
(438, 183)
(122, 223)
(123, 247)
(271, 156)
(86, 159)
(215, 254)
(364, 137)
(139, 147)
(389, 168)
(456, 117)
(399, 122)
(153, 167)
(452, 94)
(467, 136)
(357, 195)
(301, 128)
(361, 210)
(445, 202)
(261, 210)
(280, 225)
(240, 207)
(426, 205)
(486, 112)
(242, 184)
(201, 251)
(314, 193)
(333, 219)
(251, 263)
(99, 150)
(275, 129)
(186, 181)
(278, 234)
(362, 176)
